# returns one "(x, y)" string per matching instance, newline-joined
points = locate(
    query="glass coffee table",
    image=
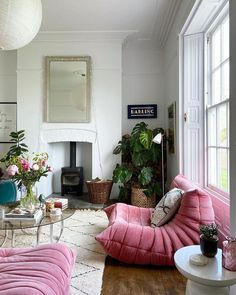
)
(12, 225)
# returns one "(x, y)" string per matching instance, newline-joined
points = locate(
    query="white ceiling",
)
(147, 19)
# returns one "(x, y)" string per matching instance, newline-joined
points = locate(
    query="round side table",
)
(210, 279)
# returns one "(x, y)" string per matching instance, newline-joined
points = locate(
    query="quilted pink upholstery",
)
(42, 270)
(130, 238)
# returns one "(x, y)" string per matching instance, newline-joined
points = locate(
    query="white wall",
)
(171, 76)
(143, 81)
(7, 84)
(106, 103)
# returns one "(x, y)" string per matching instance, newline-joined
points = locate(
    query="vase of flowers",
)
(26, 174)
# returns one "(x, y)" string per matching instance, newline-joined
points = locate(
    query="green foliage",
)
(145, 176)
(209, 231)
(18, 166)
(146, 138)
(18, 148)
(141, 161)
(122, 174)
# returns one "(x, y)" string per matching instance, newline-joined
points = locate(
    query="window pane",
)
(223, 177)
(225, 39)
(216, 87)
(222, 132)
(211, 127)
(216, 54)
(212, 166)
(225, 81)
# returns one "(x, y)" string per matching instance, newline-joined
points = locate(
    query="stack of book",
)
(21, 214)
(58, 202)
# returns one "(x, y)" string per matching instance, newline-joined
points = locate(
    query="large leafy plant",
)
(18, 148)
(141, 161)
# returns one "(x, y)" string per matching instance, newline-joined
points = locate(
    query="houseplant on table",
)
(209, 239)
(23, 171)
(139, 174)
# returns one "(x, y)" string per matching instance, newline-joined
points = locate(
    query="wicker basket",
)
(99, 191)
(139, 199)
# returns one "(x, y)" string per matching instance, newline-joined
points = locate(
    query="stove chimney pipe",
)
(72, 154)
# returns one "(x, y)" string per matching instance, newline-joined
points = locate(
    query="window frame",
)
(208, 96)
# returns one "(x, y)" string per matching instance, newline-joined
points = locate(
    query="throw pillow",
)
(167, 207)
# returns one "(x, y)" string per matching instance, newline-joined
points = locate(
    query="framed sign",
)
(142, 111)
(7, 120)
(171, 127)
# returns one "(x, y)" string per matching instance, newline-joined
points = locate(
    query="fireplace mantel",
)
(66, 134)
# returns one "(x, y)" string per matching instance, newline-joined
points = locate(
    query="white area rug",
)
(79, 232)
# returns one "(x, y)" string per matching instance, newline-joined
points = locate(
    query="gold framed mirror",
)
(68, 89)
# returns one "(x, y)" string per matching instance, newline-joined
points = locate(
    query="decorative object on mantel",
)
(21, 170)
(20, 21)
(99, 190)
(209, 239)
(229, 253)
(68, 80)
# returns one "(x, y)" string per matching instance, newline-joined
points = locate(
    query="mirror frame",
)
(87, 59)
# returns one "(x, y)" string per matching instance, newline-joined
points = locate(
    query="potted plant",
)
(139, 174)
(209, 239)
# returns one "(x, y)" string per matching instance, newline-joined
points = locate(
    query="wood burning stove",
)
(72, 177)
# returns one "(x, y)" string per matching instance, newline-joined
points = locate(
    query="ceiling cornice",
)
(167, 22)
(83, 36)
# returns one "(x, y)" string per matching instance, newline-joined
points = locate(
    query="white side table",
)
(210, 279)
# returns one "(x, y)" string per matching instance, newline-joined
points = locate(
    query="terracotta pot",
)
(208, 246)
(139, 199)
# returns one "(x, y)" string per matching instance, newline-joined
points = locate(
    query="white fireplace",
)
(103, 131)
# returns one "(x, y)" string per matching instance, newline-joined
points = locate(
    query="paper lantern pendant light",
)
(20, 21)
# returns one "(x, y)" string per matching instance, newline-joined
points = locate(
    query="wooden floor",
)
(120, 279)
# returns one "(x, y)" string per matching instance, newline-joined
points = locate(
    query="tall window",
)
(205, 101)
(217, 108)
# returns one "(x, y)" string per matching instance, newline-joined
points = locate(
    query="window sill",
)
(217, 195)
(221, 206)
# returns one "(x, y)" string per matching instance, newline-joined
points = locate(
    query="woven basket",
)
(99, 191)
(139, 199)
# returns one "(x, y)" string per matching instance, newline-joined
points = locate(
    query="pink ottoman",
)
(42, 270)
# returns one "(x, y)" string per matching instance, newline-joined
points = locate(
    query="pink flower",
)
(50, 169)
(25, 165)
(12, 170)
(35, 167)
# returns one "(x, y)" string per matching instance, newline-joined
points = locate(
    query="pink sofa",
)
(42, 270)
(130, 238)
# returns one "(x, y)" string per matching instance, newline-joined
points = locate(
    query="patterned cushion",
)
(167, 207)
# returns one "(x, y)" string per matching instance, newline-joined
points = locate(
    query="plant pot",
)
(208, 246)
(139, 199)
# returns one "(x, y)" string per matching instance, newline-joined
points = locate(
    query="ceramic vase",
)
(229, 253)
